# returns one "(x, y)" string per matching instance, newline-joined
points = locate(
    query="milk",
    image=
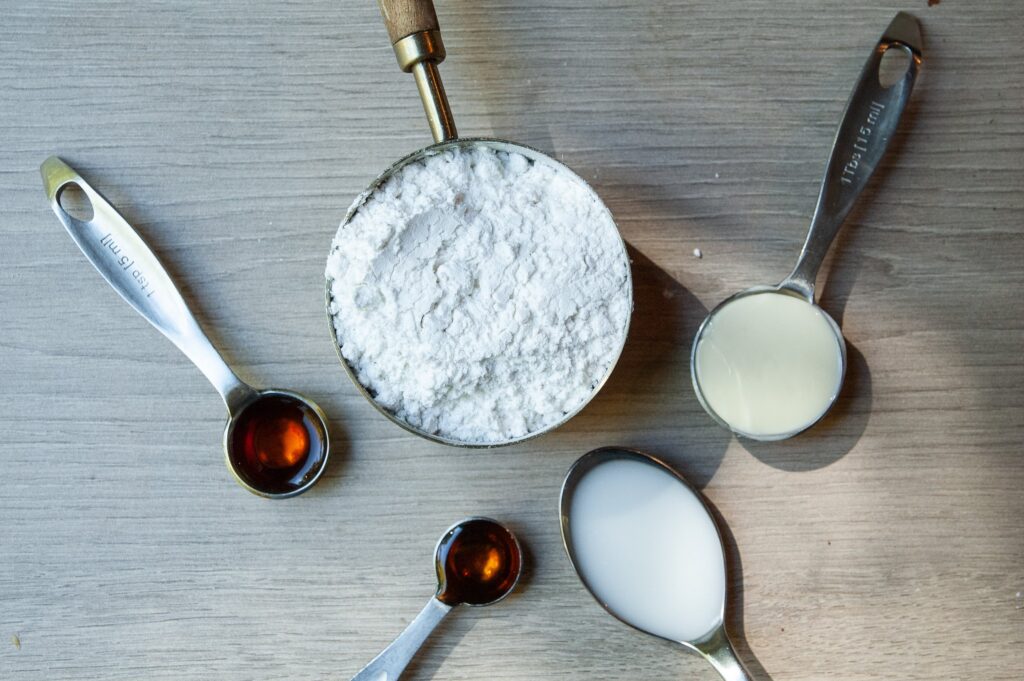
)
(646, 547)
(769, 364)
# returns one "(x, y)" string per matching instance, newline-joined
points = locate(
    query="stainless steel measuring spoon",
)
(415, 35)
(867, 127)
(478, 562)
(711, 641)
(130, 267)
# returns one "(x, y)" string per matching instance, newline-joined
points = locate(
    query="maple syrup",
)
(478, 563)
(277, 444)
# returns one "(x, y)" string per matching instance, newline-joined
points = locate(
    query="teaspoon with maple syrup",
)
(478, 562)
(276, 441)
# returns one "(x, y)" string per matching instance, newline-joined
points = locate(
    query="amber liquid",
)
(480, 561)
(277, 444)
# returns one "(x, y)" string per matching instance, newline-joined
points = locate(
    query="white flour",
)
(480, 296)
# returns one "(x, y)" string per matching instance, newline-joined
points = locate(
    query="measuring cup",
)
(648, 550)
(416, 37)
(754, 371)
(267, 430)
(478, 562)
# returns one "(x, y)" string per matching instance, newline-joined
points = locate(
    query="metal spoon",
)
(478, 562)
(867, 127)
(131, 268)
(714, 645)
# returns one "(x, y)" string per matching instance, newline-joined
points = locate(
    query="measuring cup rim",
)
(233, 419)
(533, 155)
(591, 460)
(515, 540)
(755, 290)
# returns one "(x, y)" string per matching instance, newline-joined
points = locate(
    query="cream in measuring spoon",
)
(768, 364)
(647, 549)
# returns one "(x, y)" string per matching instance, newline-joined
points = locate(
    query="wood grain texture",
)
(886, 543)
(405, 17)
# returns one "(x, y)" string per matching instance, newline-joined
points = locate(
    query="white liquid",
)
(769, 364)
(647, 548)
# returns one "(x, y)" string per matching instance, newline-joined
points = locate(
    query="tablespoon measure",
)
(263, 460)
(648, 550)
(768, 362)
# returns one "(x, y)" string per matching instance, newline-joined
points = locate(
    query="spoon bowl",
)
(806, 404)
(478, 562)
(648, 550)
(276, 444)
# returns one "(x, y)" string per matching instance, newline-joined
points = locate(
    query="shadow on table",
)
(831, 438)
(734, 602)
(649, 400)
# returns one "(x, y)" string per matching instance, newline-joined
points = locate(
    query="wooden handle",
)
(405, 17)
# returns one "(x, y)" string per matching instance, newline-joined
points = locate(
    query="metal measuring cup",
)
(416, 38)
(868, 124)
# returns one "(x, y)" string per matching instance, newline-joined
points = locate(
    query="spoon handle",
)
(718, 650)
(392, 661)
(868, 124)
(130, 267)
(416, 38)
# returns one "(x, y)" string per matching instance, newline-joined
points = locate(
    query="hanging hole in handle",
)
(894, 65)
(75, 202)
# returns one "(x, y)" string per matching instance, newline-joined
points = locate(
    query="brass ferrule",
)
(418, 47)
(420, 53)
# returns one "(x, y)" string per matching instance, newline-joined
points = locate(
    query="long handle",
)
(871, 117)
(717, 649)
(416, 37)
(389, 665)
(125, 261)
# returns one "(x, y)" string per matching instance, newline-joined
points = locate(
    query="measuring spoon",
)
(646, 548)
(478, 562)
(767, 363)
(276, 442)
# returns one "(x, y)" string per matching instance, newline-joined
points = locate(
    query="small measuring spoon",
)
(646, 548)
(276, 441)
(478, 562)
(767, 363)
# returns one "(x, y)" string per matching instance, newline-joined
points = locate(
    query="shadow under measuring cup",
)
(768, 362)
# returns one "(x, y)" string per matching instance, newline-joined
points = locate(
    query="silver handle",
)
(717, 649)
(868, 124)
(389, 665)
(125, 261)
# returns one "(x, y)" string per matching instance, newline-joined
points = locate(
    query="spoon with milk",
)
(768, 363)
(646, 547)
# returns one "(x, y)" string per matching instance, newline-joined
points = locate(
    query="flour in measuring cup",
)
(478, 295)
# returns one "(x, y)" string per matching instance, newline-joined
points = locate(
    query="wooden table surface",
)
(886, 543)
